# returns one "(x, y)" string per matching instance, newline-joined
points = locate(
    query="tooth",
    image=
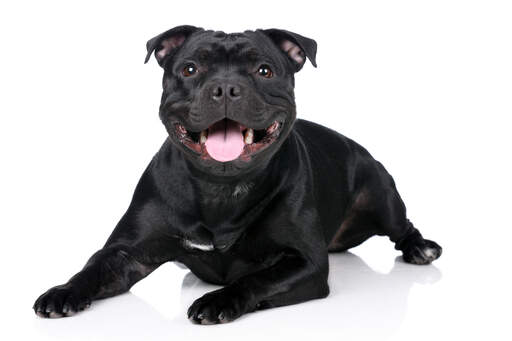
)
(249, 135)
(272, 127)
(202, 138)
(182, 129)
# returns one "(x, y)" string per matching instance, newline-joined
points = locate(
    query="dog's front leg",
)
(110, 271)
(138, 245)
(292, 279)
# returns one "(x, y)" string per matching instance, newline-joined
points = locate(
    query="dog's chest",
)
(206, 241)
(221, 218)
(205, 238)
(198, 245)
(220, 266)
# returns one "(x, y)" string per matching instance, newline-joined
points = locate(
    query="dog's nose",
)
(217, 93)
(234, 92)
(230, 91)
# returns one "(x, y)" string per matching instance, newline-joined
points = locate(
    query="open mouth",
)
(228, 140)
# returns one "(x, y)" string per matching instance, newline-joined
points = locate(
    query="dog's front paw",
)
(61, 301)
(422, 253)
(220, 306)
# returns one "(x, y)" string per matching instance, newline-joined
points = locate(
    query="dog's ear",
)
(294, 45)
(165, 44)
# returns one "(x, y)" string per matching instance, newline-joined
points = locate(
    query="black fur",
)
(263, 224)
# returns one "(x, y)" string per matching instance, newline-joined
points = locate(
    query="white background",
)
(425, 86)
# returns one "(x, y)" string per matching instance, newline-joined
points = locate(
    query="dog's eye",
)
(189, 70)
(265, 71)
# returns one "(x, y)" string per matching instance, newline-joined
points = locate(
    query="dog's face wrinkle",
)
(226, 65)
(225, 57)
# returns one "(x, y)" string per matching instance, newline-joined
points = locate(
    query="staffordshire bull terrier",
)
(241, 192)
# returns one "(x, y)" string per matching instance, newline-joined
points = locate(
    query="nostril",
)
(234, 91)
(217, 93)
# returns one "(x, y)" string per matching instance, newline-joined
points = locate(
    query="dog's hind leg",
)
(377, 209)
(390, 214)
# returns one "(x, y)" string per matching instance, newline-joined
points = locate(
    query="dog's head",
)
(228, 100)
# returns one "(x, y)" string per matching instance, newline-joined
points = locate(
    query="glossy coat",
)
(263, 227)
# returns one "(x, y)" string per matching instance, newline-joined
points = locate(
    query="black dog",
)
(242, 193)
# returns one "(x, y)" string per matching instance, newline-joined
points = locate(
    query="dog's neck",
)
(228, 188)
(226, 191)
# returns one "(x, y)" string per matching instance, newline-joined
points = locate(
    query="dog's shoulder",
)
(321, 140)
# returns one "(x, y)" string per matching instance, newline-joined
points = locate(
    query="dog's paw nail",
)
(422, 253)
(60, 301)
(221, 316)
(200, 316)
(70, 313)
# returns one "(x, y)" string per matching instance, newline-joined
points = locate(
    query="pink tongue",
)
(225, 141)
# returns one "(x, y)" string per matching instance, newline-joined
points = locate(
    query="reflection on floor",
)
(363, 304)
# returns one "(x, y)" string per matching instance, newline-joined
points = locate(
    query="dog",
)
(242, 192)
